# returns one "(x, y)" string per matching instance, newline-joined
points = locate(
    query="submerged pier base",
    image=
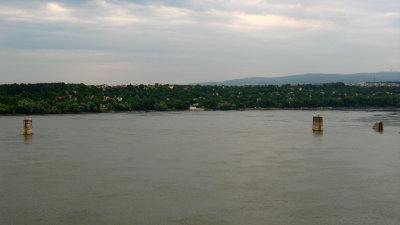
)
(318, 123)
(378, 126)
(28, 126)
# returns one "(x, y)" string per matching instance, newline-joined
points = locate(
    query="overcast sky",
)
(176, 41)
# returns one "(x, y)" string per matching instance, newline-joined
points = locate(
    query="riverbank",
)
(208, 110)
(55, 98)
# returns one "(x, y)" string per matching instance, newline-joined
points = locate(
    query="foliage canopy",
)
(75, 98)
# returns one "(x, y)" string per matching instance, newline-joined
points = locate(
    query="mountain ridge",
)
(311, 78)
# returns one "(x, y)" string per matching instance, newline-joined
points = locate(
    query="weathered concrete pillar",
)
(28, 126)
(318, 123)
(378, 126)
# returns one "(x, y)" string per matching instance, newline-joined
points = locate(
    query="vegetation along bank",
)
(75, 98)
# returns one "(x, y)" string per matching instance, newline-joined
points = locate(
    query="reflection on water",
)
(28, 138)
(318, 132)
(378, 131)
(251, 167)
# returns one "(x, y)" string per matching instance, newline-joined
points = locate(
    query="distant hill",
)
(312, 78)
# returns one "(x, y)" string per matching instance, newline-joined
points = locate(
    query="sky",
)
(178, 42)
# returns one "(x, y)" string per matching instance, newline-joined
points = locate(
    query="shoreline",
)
(239, 110)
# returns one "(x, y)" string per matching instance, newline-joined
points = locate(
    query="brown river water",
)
(212, 167)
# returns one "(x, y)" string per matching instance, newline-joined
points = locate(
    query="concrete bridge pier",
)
(28, 126)
(318, 123)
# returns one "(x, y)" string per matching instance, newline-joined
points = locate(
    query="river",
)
(211, 167)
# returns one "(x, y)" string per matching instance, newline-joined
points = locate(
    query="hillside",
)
(313, 78)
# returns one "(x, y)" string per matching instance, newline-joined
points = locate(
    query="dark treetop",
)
(76, 98)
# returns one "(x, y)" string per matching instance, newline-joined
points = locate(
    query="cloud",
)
(244, 21)
(49, 12)
(235, 14)
(100, 12)
(166, 40)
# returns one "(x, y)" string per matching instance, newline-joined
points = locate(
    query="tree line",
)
(44, 98)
